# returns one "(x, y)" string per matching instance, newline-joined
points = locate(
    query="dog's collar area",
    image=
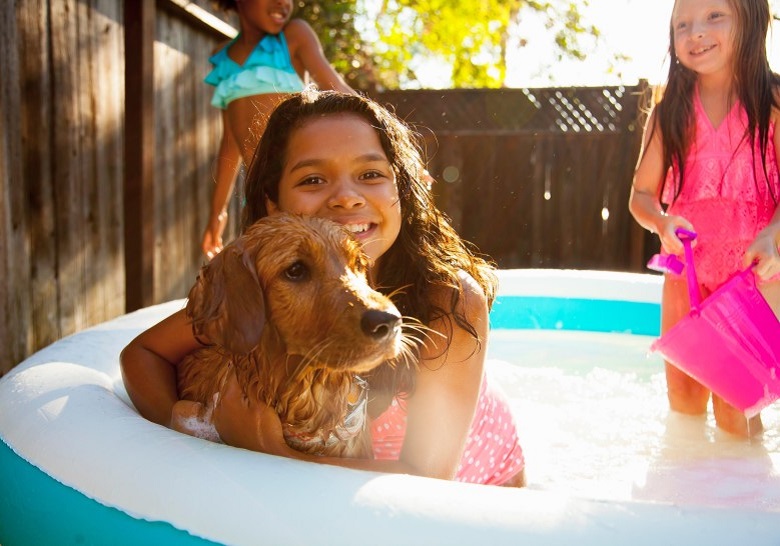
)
(354, 423)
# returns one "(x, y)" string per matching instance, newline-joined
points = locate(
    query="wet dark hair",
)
(226, 5)
(754, 84)
(231, 5)
(427, 253)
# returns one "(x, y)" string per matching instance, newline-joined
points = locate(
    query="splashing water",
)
(594, 422)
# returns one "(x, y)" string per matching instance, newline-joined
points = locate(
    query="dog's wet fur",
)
(288, 306)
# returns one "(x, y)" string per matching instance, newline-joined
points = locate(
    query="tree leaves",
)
(385, 43)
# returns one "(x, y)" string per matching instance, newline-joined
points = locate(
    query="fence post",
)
(139, 153)
(637, 243)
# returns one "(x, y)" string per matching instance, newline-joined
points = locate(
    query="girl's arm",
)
(228, 164)
(764, 249)
(148, 365)
(645, 202)
(439, 413)
(306, 51)
(448, 383)
(255, 426)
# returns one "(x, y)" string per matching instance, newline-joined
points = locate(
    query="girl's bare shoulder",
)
(297, 31)
(473, 296)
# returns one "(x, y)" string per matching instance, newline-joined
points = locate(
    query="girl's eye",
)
(715, 15)
(297, 272)
(310, 181)
(372, 175)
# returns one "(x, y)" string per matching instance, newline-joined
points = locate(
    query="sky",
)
(637, 29)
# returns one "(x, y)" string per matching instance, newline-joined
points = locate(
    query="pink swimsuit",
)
(723, 200)
(492, 454)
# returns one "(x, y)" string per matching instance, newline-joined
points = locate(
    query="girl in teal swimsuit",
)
(272, 56)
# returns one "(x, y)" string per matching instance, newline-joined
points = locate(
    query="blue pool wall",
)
(593, 301)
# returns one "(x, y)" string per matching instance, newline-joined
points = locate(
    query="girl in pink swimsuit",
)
(492, 454)
(709, 165)
(346, 158)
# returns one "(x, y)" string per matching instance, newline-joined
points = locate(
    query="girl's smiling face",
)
(335, 168)
(270, 16)
(704, 35)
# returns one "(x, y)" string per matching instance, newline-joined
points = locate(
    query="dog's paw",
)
(195, 419)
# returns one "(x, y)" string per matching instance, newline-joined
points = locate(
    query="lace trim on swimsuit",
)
(723, 164)
(725, 196)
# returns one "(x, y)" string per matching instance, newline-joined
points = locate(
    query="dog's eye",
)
(297, 271)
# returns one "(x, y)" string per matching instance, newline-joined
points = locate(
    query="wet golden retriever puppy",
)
(287, 306)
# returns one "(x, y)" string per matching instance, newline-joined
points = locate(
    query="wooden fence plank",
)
(183, 229)
(37, 135)
(139, 148)
(164, 168)
(16, 339)
(93, 244)
(66, 165)
(108, 82)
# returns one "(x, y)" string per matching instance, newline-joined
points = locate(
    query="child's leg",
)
(726, 416)
(771, 293)
(686, 395)
(730, 419)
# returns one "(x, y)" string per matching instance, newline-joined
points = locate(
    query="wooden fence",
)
(535, 178)
(63, 204)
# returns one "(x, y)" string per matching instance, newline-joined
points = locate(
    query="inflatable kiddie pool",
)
(78, 465)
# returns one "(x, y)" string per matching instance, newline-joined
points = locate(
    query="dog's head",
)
(305, 278)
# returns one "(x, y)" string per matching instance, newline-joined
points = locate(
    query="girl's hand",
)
(667, 232)
(212, 237)
(243, 422)
(764, 251)
(195, 419)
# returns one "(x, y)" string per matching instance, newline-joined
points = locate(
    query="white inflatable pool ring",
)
(79, 465)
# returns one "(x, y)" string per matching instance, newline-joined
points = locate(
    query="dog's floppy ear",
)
(226, 304)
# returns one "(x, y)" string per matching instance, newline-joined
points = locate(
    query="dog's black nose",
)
(379, 324)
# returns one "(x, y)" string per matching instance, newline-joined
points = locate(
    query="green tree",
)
(335, 22)
(471, 36)
(378, 48)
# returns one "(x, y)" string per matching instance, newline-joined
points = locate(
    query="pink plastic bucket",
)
(730, 342)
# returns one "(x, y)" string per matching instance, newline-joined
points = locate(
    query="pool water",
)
(594, 422)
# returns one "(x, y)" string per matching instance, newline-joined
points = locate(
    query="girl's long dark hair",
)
(754, 85)
(427, 254)
(225, 5)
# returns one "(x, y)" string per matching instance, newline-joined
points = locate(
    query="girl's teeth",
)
(357, 228)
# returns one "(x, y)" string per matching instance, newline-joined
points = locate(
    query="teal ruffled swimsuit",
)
(268, 69)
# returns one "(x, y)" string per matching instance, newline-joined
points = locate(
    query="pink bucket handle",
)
(666, 263)
(686, 236)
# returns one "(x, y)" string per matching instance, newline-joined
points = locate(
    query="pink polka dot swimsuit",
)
(722, 197)
(492, 454)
